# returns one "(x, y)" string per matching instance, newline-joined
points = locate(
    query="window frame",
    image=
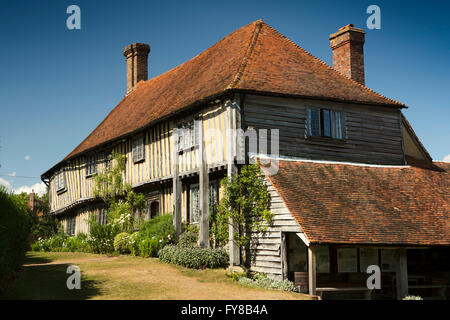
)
(60, 181)
(333, 129)
(71, 226)
(138, 148)
(191, 139)
(91, 165)
(107, 155)
(193, 187)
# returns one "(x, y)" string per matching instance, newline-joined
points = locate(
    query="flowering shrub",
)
(134, 244)
(412, 298)
(101, 237)
(260, 280)
(62, 242)
(148, 247)
(122, 242)
(194, 257)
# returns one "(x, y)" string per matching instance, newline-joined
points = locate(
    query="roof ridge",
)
(258, 25)
(283, 37)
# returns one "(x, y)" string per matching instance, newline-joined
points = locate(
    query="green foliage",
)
(134, 244)
(260, 280)
(101, 237)
(45, 226)
(188, 238)
(246, 202)
(152, 236)
(61, 242)
(118, 196)
(78, 243)
(14, 229)
(122, 242)
(194, 257)
(148, 247)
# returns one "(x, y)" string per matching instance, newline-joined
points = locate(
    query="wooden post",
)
(284, 258)
(401, 274)
(235, 256)
(312, 270)
(203, 190)
(176, 185)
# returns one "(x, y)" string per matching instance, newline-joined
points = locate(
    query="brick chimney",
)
(136, 55)
(348, 52)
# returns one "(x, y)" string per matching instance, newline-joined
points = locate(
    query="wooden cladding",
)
(370, 134)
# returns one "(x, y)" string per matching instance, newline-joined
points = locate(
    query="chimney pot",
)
(136, 56)
(347, 46)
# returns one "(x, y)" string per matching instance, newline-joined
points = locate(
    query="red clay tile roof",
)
(253, 58)
(349, 204)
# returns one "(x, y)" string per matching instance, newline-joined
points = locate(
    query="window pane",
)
(197, 132)
(347, 260)
(323, 259)
(388, 260)
(367, 257)
(194, 204)
(336, 124)
(326, 123)
(314, 122)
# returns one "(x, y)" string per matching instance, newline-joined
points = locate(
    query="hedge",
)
(14, 230)
(194, 257)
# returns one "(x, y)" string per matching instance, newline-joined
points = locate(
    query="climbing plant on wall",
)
(245, 203)
(119, 197)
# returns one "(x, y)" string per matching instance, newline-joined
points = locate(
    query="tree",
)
(46, 225)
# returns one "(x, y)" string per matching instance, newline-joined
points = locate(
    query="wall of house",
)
(372, 134)
(266, 248)
(158, 164)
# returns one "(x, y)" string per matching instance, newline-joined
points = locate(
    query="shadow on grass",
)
(31, 258)
(48, 282)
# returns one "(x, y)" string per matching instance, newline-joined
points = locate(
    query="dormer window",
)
(60, 181)
(91, 165)
(325, 123)
(138, 149)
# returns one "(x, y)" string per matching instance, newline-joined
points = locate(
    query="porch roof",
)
(365, 204)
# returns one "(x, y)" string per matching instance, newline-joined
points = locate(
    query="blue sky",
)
(56, 85)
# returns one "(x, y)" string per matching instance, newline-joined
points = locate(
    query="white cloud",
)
(12, 174)
(27, 157)
(446, 158)
(5, 183)
(39, 188)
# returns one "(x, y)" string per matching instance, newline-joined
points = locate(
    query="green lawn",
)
(44, 276)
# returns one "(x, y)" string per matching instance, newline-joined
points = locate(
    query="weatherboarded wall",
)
(267, 248)
(372, 134)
